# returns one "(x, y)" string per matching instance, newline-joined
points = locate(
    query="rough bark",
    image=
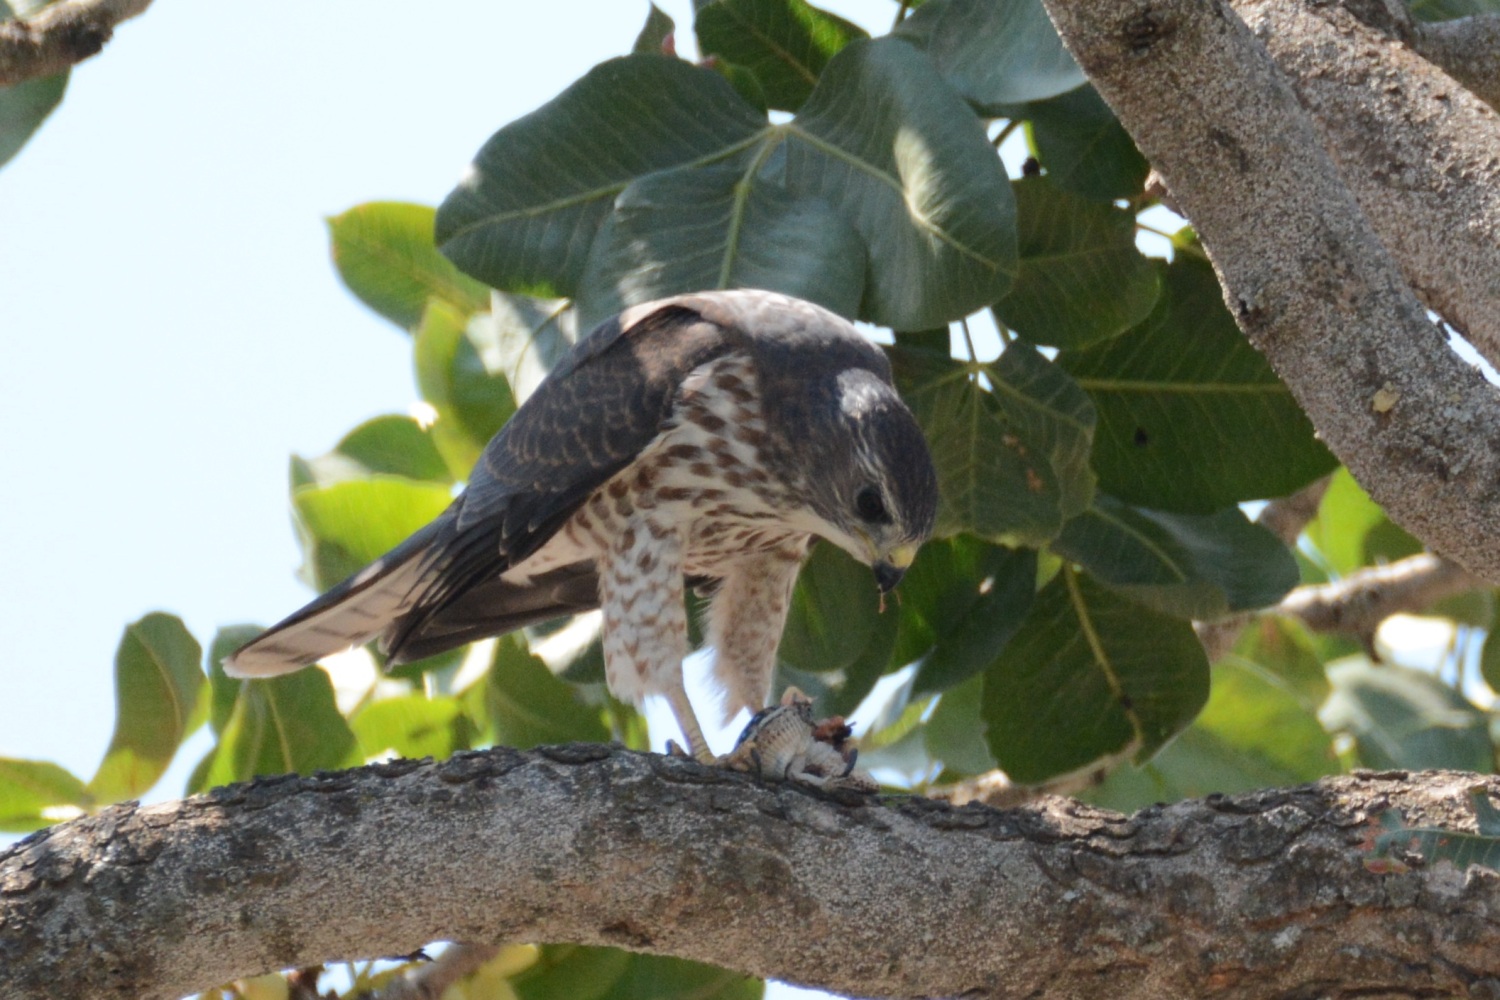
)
(1247, 896)
(1419, 151)
(59, 36)
(1304, 273)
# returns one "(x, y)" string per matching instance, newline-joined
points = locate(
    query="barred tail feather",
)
(351, 614)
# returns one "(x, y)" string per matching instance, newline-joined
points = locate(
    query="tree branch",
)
(1420, 153)
(59, 36)
(1315, 292)
(1468, 49)
(1248, 896)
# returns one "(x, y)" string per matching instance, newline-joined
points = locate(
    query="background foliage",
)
(1095, 471)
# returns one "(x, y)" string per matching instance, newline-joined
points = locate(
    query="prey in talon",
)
(709, 439)
(787, 742)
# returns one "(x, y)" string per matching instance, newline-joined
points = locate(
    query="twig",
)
(59, 36)
(430, 981)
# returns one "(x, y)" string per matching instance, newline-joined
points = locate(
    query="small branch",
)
(1285, 517)
(59, 36)
(1357, 604)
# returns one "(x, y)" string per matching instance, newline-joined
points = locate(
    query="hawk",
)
(706, 439)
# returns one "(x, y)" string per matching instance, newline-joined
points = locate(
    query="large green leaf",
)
(350, 524)
(528, 706)
(385, 253)
(1012, 462)
(524, 218)
(1090, 677)
(834, 613)
(993, 52)
(1081, 279)
(1403, 718)
(458, 361)
(887, 141)
(1199, 566)
(157, 686)
(785, 43)
(1227, 750)
(961, 602)
(722, 226)
(1447, 10)
(1083, 146)
(411, 725)
(390, 445)
(36, 793)
(281, 725)
(1191, 418)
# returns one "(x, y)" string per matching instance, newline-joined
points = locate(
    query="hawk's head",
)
(871, 483)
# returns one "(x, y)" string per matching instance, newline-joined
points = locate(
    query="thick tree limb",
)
(1305, 276)
(1420, 153)
(59, 36)
(1250, 896)
(1469, 49)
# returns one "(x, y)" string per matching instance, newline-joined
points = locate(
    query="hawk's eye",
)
(868, 504)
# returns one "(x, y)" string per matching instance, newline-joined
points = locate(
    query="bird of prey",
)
(706, 438)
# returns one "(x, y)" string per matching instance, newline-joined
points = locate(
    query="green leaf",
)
(458, 361)
(1012, 463)
(36, 793)
(224, 690)
(410, 725)
(656, 34)
(528, 337)
(1351, 531)
(1403, 718)
(157, 685)
(1285, 648)
(1191, 418)
(385, 254)
(24, 107)
(785, 43)
(1188, 565)
(348, 525)
(1268, 719)
(1489, 658)
(961, 603)
(577, 972)
(1089, 678)
(1083, 147)
(954, 734)
(282, 725)
(524, 218)
(528, 706)
(389, 445)
(721, 226)
(834, 613)
(1447, 10)
(1435, 843)
(898, 152)
(993, 52)
(1081, 279)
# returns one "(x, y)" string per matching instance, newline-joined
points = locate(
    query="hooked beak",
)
(890, 570)
(887, 576)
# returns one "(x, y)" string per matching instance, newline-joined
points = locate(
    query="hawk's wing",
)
(590, 418)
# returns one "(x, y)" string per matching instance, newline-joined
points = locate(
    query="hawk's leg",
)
(645, 622)
(745, 619)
